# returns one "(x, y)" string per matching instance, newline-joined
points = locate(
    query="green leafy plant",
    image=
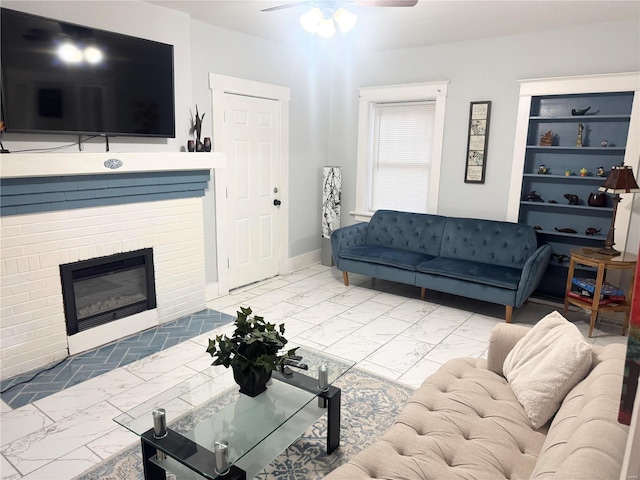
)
(253, 347)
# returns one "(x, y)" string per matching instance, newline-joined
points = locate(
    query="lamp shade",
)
(620, 180)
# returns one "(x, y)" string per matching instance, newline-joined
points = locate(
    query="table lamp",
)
(620, 180)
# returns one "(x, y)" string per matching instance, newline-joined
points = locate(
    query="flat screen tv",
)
(63, 78)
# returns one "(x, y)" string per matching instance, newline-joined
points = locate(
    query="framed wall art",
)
(477, 141)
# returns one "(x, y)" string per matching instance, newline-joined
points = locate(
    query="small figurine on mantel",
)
(601, 172)
(546, 140)
(579, 139)
(196, 127)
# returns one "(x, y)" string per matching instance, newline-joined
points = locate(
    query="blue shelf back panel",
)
(20, 196)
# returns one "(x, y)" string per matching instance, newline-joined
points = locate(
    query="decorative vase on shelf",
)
(597, 199)
(207, 144)
(579, 138)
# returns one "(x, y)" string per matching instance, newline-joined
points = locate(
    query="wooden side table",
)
(590, 257)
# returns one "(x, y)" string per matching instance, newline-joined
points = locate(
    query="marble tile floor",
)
(28, 388)
(382, 326)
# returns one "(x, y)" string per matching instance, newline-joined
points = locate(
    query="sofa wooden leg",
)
(423, 293)
(345, 278)
(509, 313)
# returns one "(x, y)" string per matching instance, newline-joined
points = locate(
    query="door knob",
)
(277, 202)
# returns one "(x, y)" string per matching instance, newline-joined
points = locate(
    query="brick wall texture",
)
(32, 324)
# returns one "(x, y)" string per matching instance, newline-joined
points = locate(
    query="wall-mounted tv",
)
(63, 78)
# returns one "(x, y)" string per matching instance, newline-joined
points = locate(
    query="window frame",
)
(369, 97)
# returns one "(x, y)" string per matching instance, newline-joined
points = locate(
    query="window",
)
(399, 148)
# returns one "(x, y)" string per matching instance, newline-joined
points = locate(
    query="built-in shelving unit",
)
(606, 140)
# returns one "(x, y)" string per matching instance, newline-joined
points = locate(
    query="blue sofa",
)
(497, 262)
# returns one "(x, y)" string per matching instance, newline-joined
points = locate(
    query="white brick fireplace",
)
(33, 246)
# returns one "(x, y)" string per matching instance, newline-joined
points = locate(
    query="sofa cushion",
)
(485, 273)
(392, 257)
(487, 241)
(585, 440)
(462, 422)
(416, 232)
(545, 365)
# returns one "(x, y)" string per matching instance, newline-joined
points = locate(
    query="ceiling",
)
(430, 22)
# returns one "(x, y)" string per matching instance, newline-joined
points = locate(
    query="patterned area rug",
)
(369, 406)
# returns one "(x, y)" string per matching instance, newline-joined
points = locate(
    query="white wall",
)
(324, 76)
(478, 70)
(301, 66)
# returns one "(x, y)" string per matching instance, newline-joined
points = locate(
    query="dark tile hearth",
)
(23, 389)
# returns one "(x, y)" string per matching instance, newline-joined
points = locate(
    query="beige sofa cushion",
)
(585, 440)
(545, 365)
(463, 422)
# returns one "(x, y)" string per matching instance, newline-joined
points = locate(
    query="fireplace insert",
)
(101, 290)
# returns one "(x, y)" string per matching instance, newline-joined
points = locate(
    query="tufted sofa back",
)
(488, 241)
(417, 232)
(585, 439)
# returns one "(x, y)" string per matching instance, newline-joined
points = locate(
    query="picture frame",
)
(477, 142)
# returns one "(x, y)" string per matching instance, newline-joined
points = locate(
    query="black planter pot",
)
(248, 384)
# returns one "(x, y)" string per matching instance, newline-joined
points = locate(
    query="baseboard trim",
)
(305, 260)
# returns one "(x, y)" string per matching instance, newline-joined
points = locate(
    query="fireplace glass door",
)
(105, 289)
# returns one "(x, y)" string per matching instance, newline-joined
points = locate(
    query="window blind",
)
(401, 156)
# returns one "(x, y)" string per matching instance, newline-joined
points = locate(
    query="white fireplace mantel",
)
(21, 165)
(75, 219)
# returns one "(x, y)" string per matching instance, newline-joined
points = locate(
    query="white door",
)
(252, 145)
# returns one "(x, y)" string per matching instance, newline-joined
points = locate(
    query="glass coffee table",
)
(209, 430)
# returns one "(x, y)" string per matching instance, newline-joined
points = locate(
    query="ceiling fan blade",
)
(288, 5)
(387, 3)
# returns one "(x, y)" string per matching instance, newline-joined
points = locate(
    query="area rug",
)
(370, 404)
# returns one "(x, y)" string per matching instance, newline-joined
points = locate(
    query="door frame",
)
(219, 86)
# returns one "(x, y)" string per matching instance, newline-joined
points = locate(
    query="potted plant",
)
(252, 351)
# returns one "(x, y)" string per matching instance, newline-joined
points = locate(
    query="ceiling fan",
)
(326, 14)
(360, 3)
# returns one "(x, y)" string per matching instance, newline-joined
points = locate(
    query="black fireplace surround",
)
(101, 290)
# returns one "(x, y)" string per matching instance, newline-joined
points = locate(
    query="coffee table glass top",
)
(207, 408)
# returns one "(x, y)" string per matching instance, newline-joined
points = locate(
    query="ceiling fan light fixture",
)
(345, 19)
(326, 28)
(310, 21)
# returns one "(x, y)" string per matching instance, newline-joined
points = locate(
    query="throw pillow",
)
(545, 365)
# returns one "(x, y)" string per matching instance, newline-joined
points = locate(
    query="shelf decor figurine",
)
(542, 169)
(573, 199)
(546, 140)
(579, 139)
(577, 113)
(620, 180)
(533, 197)
(567, 173)
(600, 172)
(583, 172)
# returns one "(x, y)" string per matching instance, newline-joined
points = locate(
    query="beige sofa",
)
(465, 422)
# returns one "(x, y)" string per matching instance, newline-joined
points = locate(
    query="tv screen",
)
(58, 77)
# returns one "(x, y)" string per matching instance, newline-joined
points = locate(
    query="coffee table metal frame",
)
(201, 459)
